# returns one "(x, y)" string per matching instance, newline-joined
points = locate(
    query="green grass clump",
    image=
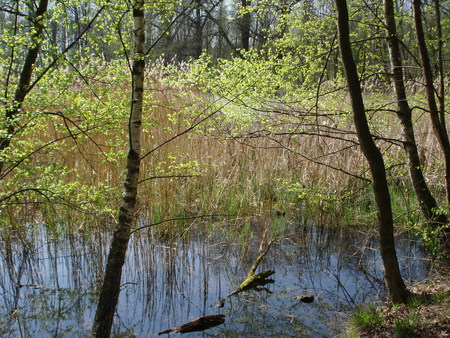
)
(441, 297)
(406, 327)
(414, 302)
(366, 318)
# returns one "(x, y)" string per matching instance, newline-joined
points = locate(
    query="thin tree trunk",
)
(437, 120)
(426, 200)
(244, 25)
(392, 276)
(441, 72)
(198, 37)
(25, 75)
(224, 35)
(109, 293)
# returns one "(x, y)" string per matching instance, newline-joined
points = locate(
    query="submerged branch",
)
(258, 260)
(253, 281)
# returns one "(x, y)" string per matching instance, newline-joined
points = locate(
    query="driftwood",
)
(198, 324)
(253, 281)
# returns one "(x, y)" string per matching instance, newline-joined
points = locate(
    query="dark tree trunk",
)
(285, 10)
(426, 200)
(437, 120)
(198, 38)
(25, 75)
(441, 71)
(392, 276)
(223, 34)
(109, 292)
(244, 26)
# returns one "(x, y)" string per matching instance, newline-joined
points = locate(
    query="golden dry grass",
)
(212, 172)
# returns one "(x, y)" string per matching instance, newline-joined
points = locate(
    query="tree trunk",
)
(392, 276)
(244, 25)
(198, 38)
(437, 120)
(25, 75)
(223, 34)
(427, 202)
(441, 71)
(109, 293)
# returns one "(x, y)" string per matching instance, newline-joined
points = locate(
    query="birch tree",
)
(109, 293)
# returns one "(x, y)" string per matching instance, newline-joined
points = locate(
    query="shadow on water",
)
(48, 283)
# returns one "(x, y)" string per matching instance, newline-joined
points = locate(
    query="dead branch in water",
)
(253, 281)
(198, 324)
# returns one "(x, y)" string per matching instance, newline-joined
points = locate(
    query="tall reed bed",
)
(226, 172)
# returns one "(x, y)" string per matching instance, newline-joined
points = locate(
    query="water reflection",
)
(48, 282)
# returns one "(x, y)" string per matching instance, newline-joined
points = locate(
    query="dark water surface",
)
(48, 284)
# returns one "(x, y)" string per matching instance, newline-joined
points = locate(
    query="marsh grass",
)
(207, 171)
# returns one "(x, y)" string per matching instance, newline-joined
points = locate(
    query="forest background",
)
(245, 113)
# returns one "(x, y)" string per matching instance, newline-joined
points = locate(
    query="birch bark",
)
(109, 293)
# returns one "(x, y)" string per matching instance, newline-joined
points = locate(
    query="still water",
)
(48, 282)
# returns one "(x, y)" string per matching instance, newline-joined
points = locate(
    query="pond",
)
(48, 282)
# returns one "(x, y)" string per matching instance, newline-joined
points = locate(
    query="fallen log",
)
(198, 324)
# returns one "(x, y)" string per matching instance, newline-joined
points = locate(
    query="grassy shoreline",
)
(426, 315)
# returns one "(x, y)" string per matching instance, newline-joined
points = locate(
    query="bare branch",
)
(166, 176)
(69, 47)
(180, 219)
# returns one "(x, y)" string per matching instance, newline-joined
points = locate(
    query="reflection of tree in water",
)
(48, 282)
(341, 269)
(168, 282)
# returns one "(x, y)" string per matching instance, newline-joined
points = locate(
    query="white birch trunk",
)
(109, 294)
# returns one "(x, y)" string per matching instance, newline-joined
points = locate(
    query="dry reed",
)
(207, 173)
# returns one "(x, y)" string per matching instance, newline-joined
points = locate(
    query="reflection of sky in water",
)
(166, 284)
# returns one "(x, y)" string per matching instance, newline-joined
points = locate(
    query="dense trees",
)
(437, 117)
(220, 27)
(426, 200)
